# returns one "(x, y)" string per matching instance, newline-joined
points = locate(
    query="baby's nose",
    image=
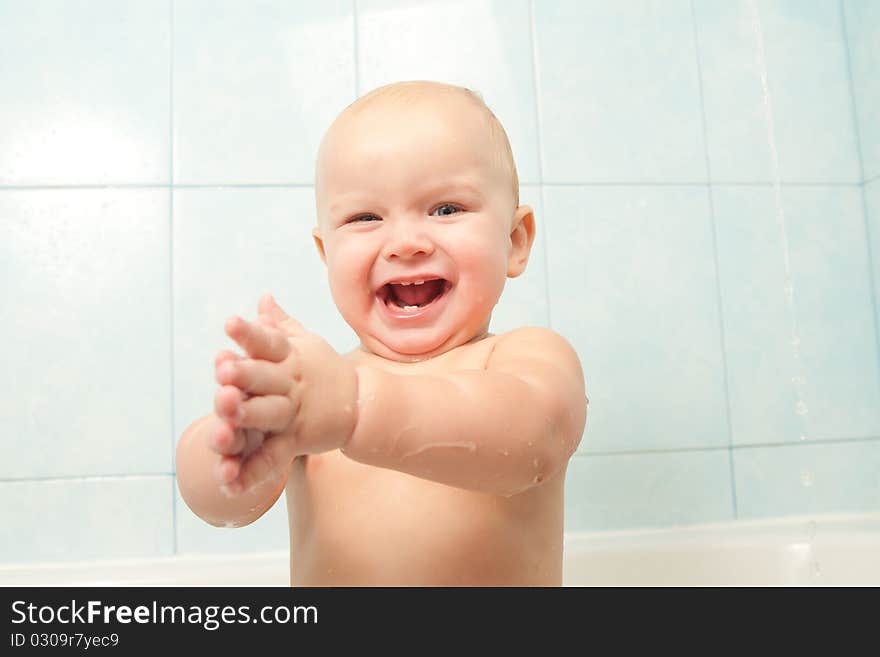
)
(406, 241)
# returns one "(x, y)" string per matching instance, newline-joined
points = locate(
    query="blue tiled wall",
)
(686, 159)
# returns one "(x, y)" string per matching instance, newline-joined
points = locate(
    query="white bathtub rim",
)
(261, 569)
(806, 550)
(795, 543)
(812, 528)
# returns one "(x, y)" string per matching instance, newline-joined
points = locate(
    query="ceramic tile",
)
(619, 92)
(256, 85)
(647, 490)
(776, 91)
(85, 96)
(633, 286)
(86, 519)
(872, 221)
(87, 296)
(862, 24)
(804, 362)
(804, 479)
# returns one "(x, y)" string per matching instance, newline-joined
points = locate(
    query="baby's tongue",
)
(418, 295)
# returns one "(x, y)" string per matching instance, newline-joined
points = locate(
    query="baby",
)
(435, 452)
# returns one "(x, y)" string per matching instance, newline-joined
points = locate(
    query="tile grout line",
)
(171, 267)
(539, 143)
(169, 186)
(541, 182)
(852, 92)
(825, 442)
(830, 442)
(872, 284)
(355, 47)
(716, 260)
(79, 479)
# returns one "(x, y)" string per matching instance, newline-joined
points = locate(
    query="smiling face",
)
(417, 223)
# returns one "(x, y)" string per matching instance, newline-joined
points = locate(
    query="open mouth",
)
(413, 296)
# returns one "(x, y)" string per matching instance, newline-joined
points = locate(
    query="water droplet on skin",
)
(530, 443)
(535, 463)
(503, 452)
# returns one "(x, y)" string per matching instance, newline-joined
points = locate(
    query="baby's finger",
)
(230, 464)
(226, 439)
(227, 404)
(224, 355)
(253, 440)
(254, 377)
(263, 466)
(268, 413)
(266, 320)
(227, 471)
(258, 341)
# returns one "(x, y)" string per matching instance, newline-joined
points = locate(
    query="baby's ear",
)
(319, 242)
(522, 236)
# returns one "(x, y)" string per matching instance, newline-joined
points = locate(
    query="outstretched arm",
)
(228, 472)
(500, 430)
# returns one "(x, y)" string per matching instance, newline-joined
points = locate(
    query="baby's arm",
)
(202, 488)
(217, 451)
(501, 430)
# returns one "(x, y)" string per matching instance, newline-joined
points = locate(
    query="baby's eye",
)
(362, 218)
(449, 206)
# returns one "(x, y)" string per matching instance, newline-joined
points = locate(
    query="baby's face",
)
(414, 224)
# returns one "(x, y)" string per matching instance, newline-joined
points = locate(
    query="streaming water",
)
(798, 377)
(467, 445)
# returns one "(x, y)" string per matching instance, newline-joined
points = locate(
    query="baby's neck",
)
(362, 352)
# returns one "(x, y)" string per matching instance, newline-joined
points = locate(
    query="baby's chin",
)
(410, 346)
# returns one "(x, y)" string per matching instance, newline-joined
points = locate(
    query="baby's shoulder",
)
(534, 345)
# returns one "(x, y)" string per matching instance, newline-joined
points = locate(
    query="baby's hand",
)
(291, 394)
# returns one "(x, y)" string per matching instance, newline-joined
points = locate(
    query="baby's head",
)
(415, 181)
